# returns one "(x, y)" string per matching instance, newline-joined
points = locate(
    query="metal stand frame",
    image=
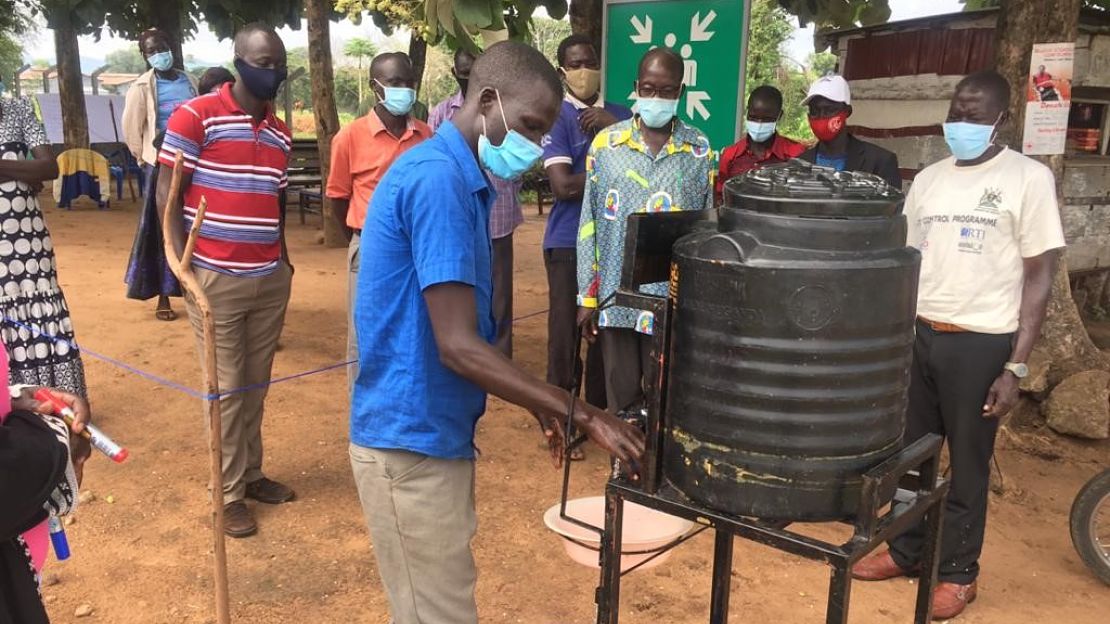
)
(911, 476)
(915, 468)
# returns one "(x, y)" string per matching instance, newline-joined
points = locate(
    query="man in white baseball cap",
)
(830, 104)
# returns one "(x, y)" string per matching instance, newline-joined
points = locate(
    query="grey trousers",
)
(421, 515)
(352, 286)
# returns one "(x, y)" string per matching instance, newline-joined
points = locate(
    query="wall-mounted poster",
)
(1048, 98)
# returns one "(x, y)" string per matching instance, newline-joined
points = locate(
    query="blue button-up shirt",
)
(428, 224)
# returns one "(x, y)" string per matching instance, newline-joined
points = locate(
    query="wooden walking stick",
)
(182, 269)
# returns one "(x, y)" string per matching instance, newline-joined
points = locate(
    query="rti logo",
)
(971, 239)
(970, 233)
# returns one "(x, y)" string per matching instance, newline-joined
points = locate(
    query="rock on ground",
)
(1080, 406)
(83, 610)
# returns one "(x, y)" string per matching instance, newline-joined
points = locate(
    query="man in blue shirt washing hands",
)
(424, 324)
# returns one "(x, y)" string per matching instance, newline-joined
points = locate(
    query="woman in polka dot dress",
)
(30, 298)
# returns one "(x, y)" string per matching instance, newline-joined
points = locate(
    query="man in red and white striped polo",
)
(236, 153)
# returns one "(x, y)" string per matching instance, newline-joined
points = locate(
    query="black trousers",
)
(627, 356)
(949, 381)
(503, 294)
(562, 330)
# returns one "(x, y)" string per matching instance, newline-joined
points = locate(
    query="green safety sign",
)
(711, 37)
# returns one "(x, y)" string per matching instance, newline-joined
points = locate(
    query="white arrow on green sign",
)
(711, 37)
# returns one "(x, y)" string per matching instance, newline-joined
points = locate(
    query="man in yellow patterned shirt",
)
(653, 162)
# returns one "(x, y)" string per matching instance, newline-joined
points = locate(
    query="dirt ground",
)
(145, 558)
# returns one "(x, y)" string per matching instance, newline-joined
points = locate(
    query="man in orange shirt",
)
(360, 155)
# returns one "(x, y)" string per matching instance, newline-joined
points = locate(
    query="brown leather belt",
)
(942, 328)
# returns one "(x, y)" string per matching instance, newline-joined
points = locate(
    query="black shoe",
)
(270, 492)
(238, 520)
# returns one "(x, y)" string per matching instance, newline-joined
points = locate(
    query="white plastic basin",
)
(643, 532)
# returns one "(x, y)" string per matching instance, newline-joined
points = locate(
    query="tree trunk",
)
(1065, 343)
(323, 102)
(418, 53)
(360, 83)
(585, 19)
(165, 15)
(71, 85)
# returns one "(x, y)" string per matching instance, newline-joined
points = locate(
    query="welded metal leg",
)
(722, 577)
(840, 592)
(930, 551)
(609, 594)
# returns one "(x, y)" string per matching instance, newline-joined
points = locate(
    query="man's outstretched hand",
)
(618, 438)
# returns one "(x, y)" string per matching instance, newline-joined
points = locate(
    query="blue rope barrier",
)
(169, 383)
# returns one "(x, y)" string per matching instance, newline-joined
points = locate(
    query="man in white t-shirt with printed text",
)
(988, 227)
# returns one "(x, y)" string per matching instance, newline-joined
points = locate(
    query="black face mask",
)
(261, 82)
(463, 84)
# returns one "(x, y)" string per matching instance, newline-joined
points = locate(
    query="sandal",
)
(165, 314)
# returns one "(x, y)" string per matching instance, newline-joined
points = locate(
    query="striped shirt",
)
(240, 167)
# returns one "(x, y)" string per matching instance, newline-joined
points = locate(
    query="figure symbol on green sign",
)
(699, 32)
(710, 37)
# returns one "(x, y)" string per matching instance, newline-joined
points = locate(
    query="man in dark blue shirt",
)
(582, 116)
(424, 324)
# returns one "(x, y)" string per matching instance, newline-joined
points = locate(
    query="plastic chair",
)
(123, 164)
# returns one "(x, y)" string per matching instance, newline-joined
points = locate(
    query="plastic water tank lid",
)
(799, 179)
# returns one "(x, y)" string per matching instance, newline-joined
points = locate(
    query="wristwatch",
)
(1019, 369)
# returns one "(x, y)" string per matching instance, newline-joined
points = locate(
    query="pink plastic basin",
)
(643, 532)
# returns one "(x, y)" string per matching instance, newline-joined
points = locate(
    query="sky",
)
(800, 45)
(205, 46)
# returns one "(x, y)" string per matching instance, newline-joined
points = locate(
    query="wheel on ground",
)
(1090, 525)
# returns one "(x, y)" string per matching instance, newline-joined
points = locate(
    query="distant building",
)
(117, 84)
(37, 80)
(903, 74)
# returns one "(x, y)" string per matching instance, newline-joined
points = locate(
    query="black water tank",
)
(791, 344)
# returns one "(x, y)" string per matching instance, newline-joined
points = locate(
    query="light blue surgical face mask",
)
(398, 100)
(656, 112)
(760, 131)
(968, 141)
(162, 61)
(513, 157)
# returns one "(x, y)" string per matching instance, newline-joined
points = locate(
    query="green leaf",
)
(474, 13)
(497, 15)
(445, 16)
(873, 12)
(557, 9)
(838, 13)
(464, 40)
(428, 15)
